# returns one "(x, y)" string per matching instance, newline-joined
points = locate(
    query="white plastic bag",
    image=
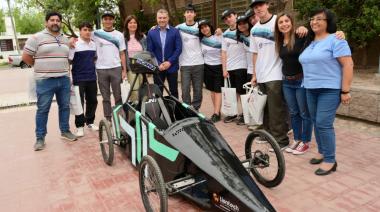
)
(125, 87)
(246, 104)
(256, 105)
(229, 102)
(75, 102)
(32, 93)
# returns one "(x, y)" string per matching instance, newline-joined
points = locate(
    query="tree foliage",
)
(2, 21)
(359, 19)
(73, 11)
(28, 22)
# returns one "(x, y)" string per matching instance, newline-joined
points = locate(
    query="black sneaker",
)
(215, 118)
(240, 120)
(229, 119)
(69, 136)
(40, 144)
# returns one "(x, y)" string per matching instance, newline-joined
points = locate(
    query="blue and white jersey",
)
(212, 49)
(246, 41)
(191, 47)
(268, 64)
(236, 56)
(83, 58)
(108, 46)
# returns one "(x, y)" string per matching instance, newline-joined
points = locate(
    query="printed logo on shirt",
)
(245, 40)
(263, 33)
(188, 30)
(230, 35)
(211, 43)
(261, 45)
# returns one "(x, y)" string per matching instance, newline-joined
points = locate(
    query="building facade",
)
(8, 42)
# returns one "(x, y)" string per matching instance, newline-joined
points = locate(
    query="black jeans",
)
(88, 91)
(172, 81)
(275, 112)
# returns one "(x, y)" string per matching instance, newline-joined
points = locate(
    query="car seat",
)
(153, 106)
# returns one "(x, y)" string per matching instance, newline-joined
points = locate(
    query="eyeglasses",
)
(317, 19)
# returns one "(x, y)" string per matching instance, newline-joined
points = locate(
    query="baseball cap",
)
(108, 13)
(227, 13)
(249, 13)
(203, 22)
(254, 2)
(241, 18)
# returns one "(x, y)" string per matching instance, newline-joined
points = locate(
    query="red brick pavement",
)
(73, 177)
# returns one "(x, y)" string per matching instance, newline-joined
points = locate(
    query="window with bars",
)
(6, 45)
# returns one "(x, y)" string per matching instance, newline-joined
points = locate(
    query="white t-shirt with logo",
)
(108, 53)
(268, 63)
(246, 42)
(191, 47)
(236, 54)
(212, 49)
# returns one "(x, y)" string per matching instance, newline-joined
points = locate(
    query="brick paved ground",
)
(73, 177)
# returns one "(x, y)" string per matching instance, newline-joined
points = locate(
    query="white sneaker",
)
(93, 127)
(292, 147)
(80, 132)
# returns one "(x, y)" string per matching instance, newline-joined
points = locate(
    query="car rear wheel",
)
(267, 163)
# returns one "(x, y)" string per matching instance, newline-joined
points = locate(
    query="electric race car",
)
(177, 150)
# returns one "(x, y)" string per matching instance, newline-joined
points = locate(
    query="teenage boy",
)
(111, 62)
(267, 72)
(83, 58)
(234, 61)
(191, 59)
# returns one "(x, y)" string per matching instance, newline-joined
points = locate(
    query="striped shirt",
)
(50, 54)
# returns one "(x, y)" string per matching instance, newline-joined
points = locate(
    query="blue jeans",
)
(295, 96)
(46, 88)
(322, 104)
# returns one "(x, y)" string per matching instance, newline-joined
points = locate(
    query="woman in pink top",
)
(135, 42)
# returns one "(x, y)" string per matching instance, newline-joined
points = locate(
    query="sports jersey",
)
(211, 49)
(246, 41)
(191, 48)
(268, 63)
(108, 48)
(236, 55)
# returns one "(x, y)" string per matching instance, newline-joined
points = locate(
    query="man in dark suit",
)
(164, 42)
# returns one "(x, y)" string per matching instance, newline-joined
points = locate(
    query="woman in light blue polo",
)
(328, 72)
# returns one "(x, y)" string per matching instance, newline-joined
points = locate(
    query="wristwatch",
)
(344, 92)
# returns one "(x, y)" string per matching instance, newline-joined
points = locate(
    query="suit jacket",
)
(173, 47)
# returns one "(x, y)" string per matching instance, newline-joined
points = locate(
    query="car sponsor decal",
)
(224, 204)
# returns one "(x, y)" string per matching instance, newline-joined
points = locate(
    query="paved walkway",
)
(73, 177)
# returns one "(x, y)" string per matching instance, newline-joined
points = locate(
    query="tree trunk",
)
(174, 14)
(165, 4)
(122, 9)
